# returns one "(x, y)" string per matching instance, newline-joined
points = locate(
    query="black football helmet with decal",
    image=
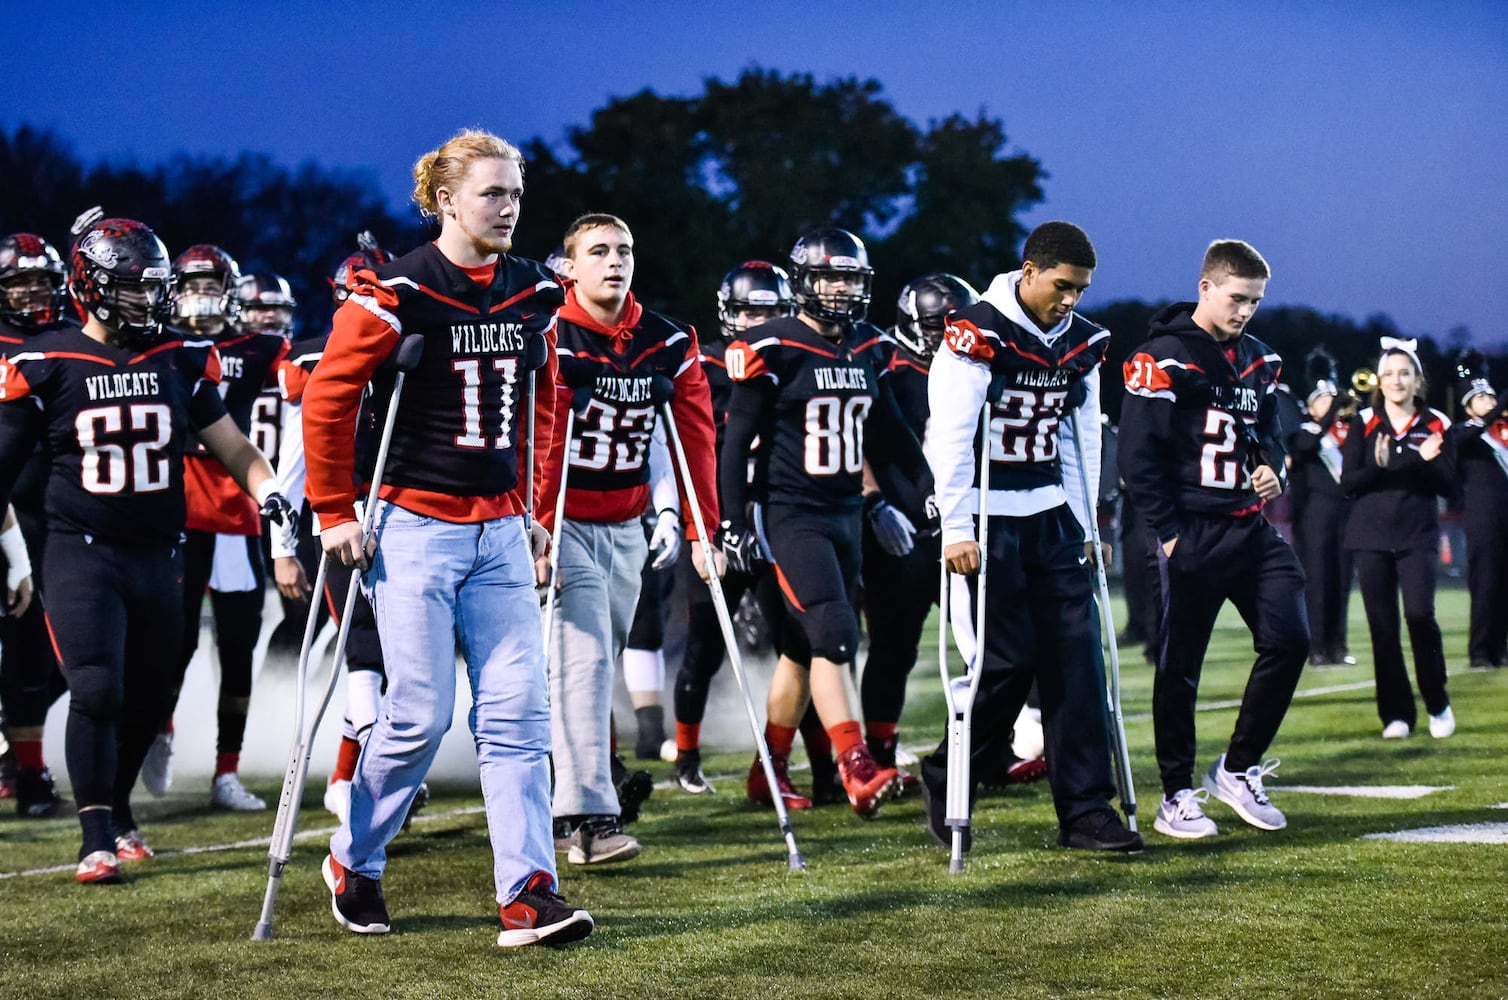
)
(832, 253)
(119, 273)
(33, 282)
(923, 305)
(266, 304)
(754, 290)
(206, 291)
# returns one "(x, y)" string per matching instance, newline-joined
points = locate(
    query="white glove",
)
(892, 529)
(665, 542)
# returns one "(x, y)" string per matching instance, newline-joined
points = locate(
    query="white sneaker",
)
(1183, 816)
(905, 758)
(338, 798)
(1398, 729)
(229, 793)
(157, 768)
(1244, 792)
(1442, 725)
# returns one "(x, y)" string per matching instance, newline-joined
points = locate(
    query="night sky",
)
(1365, 154)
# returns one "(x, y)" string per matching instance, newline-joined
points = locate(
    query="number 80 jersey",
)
(115, 424)
(811, 438)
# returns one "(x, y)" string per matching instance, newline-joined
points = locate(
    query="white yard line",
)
(1368, 791)
(1468, 833)
(245, 844)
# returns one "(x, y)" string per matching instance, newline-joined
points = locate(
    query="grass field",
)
(710, 910)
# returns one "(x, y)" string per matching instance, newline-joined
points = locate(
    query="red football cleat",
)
(868, 784)
(759, 788)
(100, 868)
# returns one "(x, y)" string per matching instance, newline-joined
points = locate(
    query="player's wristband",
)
(13, 544)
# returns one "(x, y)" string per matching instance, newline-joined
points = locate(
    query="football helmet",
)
(755, 285)
(368, 255)
(266, 304)
(207, 278)
(33, 281)
(832, 255)
(923, 305)
(119, 272)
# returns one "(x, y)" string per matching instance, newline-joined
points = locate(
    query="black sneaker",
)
(600, 840)
(562, 831)
(1100, 830)
(538, 915)
(36, 796)
(934, 781)
(355, 900)
(688, 773)
(634, 789)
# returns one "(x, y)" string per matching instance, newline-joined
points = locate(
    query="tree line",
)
(733, 173)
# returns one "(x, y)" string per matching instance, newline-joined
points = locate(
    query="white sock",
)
(644, 670)
(363, 696)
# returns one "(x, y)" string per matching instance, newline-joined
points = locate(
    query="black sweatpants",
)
(1327, 575)
(898, 595)
(1487, 580)
(238, 623)
(1243, 560)
(1383, 576)
(1041, 624)
(116, 613)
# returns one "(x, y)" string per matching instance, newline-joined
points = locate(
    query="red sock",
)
(227, 763)
(345, 760)
(779, 739)
(880, 732)
(688, 736)
(845, 736)
(28, 754)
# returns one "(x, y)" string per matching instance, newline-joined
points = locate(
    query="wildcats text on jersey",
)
(487, 338)
(841, 378)
(121, 384)
(623, 389)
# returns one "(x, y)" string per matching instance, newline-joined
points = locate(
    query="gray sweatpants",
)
(600, 571)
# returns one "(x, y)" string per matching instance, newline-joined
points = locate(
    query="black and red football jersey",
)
(811, 400)
(908, 381)
(1198, 417)
(455, 452)
(29, 494)
(608, 477)
(1038, 382)
(248, 365)
(116, 424)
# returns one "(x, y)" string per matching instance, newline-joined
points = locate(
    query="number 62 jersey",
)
(115, 423)
(1197, 417)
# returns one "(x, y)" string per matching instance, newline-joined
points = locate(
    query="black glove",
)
(281, 512)
(740, 548)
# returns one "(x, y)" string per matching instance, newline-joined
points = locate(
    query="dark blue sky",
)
(1364, 152)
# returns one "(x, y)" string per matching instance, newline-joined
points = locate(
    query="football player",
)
(115, 403)
(1201, 451)
(612, 353)
(812, 389)
(755, 292)
(1023, 348)
(223, 551)
(451, 562)
(32, 301)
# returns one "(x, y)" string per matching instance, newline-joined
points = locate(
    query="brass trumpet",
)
(1363, 382)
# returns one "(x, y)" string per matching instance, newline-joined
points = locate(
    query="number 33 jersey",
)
(115, 424)
(1198, 415)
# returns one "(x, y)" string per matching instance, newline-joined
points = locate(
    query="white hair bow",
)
(1409, 347)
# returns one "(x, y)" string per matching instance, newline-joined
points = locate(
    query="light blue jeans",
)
(601, 568)
(434, 585)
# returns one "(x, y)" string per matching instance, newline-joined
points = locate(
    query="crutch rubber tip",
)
(797, 865)
(263, 932)
(955, 866)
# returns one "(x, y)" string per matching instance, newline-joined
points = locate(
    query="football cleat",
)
(758, 786)
(157, 768)
(338, 798)
(228, 793)
(130, 847)
(867, 783)
(688, 774)
(99, 868)
(36, 795)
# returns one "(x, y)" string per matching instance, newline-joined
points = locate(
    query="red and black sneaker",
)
(355, 900)
(100, 868)
(759, 786)
(130, 847)
(538, 915)
(868, 784)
